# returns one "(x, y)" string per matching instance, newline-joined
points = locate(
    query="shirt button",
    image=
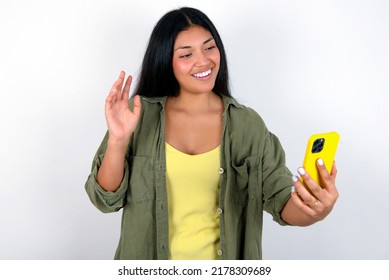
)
(221, 170)
(219, 211)
(219, 252)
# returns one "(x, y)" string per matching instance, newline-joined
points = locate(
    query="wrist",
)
(118, 145)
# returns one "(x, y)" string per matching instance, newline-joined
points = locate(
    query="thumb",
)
(137, 106)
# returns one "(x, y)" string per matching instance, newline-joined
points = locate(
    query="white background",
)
(306, 66)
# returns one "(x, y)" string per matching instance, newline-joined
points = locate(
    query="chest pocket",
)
(246, 182)
(141, 181)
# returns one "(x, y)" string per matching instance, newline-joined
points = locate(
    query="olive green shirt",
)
(253, 178)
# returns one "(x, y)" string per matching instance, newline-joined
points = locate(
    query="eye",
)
(210, 48)
(185, 55)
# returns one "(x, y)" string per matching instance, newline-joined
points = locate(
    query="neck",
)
(196, 102)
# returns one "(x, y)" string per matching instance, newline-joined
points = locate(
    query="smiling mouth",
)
(202, 74)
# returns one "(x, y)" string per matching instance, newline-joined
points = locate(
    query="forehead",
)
(195, 35)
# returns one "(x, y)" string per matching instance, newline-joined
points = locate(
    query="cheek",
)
(179, 68)
(216, 58)
(175, 67)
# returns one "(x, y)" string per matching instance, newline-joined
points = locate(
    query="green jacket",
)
(253, 178)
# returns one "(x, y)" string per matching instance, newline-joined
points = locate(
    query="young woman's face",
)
(196, 60)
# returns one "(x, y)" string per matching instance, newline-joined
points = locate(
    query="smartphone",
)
(322, 146)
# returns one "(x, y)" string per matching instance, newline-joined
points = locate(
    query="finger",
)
(303, 207)
(115, 89)
(311, 184)
(137, 106)
(112, 96)
(306, 197)
(118, 88)
(127, 86)
(327, 180)
(334, 171)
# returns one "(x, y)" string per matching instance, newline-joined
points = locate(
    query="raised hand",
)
(121, 121)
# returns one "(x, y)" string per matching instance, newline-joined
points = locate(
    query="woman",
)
(192, 168)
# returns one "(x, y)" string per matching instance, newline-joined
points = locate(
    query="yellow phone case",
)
(322, 146)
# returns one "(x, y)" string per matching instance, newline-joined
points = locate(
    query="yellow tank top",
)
(193, 197)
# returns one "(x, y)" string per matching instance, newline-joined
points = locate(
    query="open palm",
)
(120, 119)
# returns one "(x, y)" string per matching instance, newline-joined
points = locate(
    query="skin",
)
(304, 208)
(194, 125)
(121, 122)
(194, 118)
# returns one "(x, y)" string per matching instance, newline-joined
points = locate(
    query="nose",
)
(202, 59)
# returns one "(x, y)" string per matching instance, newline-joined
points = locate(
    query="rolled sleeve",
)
(106, 201)
(276, 178)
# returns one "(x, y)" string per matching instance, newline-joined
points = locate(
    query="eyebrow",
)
(188, 47)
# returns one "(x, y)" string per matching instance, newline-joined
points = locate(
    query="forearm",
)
(111, 171)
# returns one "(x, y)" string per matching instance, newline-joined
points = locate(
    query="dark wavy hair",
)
(157, 77)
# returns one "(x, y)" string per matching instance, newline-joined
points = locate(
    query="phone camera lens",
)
(318, 145)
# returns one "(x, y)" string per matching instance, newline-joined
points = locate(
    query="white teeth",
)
(203, 74)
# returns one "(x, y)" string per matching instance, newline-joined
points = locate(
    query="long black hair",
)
(157, 77)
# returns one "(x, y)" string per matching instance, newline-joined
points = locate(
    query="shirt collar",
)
(227, 101)
(230, 101)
